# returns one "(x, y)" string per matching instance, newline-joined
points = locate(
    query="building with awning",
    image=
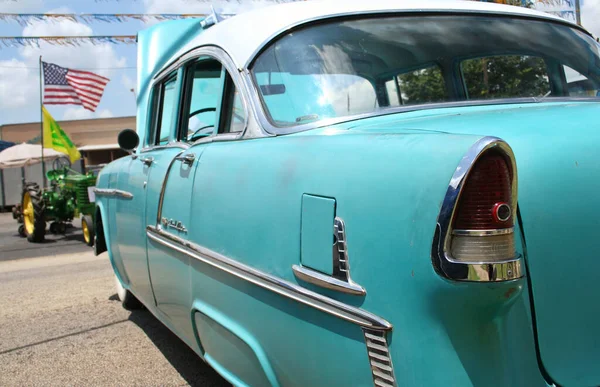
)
(95, 138)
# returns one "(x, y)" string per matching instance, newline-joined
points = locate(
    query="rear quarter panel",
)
(388, 189)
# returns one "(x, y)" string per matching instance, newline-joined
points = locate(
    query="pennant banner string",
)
(28, 18)
(212, 1)
(34, 41)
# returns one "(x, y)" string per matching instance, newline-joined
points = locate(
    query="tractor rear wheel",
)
(33, 208)
(87, 225)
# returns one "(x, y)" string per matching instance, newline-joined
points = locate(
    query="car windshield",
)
(361, 66)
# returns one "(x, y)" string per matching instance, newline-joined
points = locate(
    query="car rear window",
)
(357, 66)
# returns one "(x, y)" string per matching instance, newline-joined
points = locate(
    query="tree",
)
(422, 86)
(507, 76)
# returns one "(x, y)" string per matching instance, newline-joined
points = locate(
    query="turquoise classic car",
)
(325, 194)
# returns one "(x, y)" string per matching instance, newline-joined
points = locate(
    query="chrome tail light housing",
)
(475, 233)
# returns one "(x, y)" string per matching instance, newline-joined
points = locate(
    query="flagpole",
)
(42, 123)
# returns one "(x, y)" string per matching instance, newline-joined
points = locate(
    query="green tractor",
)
(65, 200)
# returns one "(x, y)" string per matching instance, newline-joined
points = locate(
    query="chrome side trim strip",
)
(113, 193)
(443, 262)
(380, 359)
(327, 281)
(269, 282)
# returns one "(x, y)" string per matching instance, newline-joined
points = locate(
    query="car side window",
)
(578, 85)
(204, 93)
(167, 105)
(234, 114)
(505, 76)
(212, 103)
(424, 85)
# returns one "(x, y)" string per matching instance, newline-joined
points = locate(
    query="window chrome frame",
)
(174, 144)
(271, 129)
(484, 271)
(218, 54)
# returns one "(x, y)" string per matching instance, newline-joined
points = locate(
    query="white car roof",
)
(244, 34)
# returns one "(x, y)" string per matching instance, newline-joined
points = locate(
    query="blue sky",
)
(19, 74)
(19, 79)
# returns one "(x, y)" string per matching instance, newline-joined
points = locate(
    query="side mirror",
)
(128, 140)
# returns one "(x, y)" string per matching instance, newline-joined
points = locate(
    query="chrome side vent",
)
(339, 279)
(341, 266)
(380, 359)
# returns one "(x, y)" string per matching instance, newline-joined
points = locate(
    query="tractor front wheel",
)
(87, 225)
(32, 206)
(22, 233)
(16, 213)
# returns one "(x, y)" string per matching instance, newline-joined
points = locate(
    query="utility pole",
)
(578, 11)
(42, 122)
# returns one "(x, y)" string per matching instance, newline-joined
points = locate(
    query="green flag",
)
(55, 138)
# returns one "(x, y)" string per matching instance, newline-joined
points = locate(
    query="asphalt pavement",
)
(14, 247)
(61, 324)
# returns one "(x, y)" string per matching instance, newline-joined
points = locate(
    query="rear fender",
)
(103, 244)
(245, 361)
(99, 239)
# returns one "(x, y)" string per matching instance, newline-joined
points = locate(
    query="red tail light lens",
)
(482, 226)
(485, 200)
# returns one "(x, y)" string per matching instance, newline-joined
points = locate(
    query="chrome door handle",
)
(187, 158)
(147, 160)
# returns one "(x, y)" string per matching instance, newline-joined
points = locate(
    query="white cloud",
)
(590, 12)
(83, 56)
(128, 82)
(590, 16)
(19, 85)
(186, 6)
(79, 113)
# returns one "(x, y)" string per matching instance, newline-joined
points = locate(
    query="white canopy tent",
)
(26, 154)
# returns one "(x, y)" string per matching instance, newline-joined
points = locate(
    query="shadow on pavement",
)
(74, 237)
(189, 365)
(12, 246)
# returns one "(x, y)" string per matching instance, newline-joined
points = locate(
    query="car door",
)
(200, 117)
(129, 224)
(143, 175)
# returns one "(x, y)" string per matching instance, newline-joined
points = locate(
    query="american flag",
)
(64, 86)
